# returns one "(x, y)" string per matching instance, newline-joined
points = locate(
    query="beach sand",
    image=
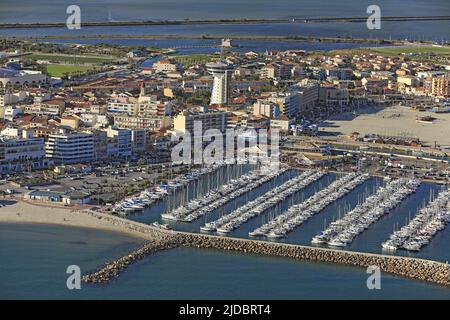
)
(24, 212)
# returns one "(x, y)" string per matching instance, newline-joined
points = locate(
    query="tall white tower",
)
(222, 78)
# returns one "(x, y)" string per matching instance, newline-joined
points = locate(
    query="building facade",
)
(70, 147)
(184, 122)
(222, 73)
(19, 154)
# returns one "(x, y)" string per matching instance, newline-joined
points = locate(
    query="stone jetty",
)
(113, 269)
(419, 269)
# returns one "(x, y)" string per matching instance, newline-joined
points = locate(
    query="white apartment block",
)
(70, 147)
(21, 153)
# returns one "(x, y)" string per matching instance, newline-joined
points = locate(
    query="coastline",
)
(24, 212)
(296, 38)
(158, 239)
(221, 21)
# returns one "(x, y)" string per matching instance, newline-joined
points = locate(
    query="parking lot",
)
(104, 184)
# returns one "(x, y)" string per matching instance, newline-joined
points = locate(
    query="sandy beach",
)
(24, 212)
(395, 121)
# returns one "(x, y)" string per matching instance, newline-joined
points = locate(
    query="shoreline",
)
(68, 217)
(297, 38)
(221, 21)
(412, 268)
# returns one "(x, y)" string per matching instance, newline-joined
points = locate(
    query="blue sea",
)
(34, 259)
(27, 11)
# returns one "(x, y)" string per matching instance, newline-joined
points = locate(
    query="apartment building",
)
(72, 147)
(440, 86)
(331, 96)
(21, 153)
(139, 140)
(151, 123)
(119, 142)
(53, 107)
(308, 95)
(166, 66)
(288, 103)
(7, 98)
(123, 103)
(277, 70)
(265, 108)
(184, 122)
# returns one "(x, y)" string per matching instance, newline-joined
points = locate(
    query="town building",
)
(151, 123)
(71, 147)
(222, 73)
(7, 98)
(17, 78)
(53, 107)
(119, 142)
(21, 152)
(166, 66)
(282, 123)
(440, 86)
(288, 103)
(12, 112)
(184, 122)
(331, 96)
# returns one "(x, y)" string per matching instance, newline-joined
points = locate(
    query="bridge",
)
(195, 47)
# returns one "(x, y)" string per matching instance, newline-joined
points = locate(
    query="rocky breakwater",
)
(419, 269)
(115, 268)
(158, 240)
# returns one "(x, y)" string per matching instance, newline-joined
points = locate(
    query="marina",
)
(218, 197)
(146, 198)
(300, 205)
(298, 214)
(342, 232)
(425, 225)
(254, 208)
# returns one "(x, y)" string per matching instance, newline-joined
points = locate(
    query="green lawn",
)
(59, 70)
(65, 58)
(193, 59)
(413, 50)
